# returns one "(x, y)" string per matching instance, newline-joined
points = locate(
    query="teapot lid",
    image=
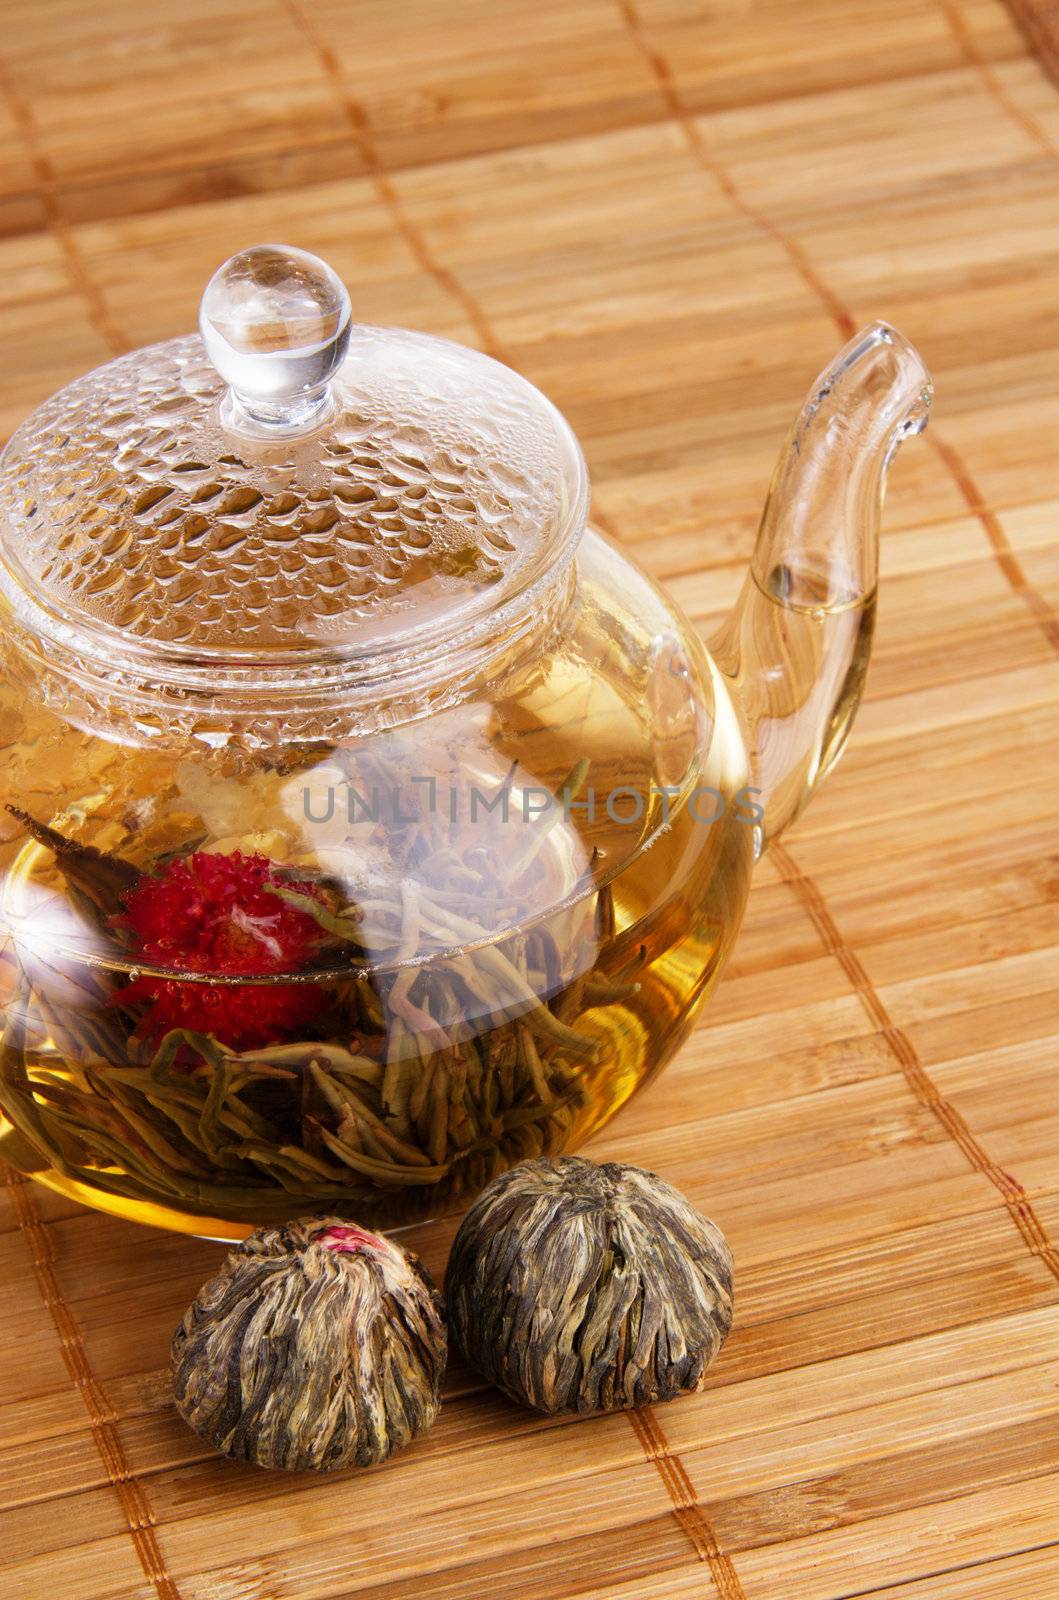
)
(287, 487)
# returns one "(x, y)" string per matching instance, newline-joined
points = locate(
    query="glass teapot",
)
(371, 823)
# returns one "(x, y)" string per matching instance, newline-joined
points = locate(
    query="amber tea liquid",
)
(438, 1093)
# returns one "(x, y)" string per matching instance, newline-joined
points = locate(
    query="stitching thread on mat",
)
(139, 1517)
(919, 1081)
(694, 140)
(1011, 1191)
(686, 1509)
(843, 319)
(384, 184)
(974, 58)
(1039, 25)
(1006, 559)
(95, 305)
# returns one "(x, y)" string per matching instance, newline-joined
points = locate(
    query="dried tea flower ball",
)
(579, 1287)
(316, 1346)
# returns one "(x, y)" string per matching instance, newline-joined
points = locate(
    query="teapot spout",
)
(796, 647)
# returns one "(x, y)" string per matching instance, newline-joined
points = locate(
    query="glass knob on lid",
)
(275, 322)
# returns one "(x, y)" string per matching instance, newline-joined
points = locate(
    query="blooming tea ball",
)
(579, 1287)
(316, 1346)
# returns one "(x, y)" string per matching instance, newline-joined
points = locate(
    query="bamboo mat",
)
(668, 213)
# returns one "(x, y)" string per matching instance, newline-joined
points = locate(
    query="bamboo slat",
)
(667, 213)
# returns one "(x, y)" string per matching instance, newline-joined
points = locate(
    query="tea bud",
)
(578, 1287)
(316, 1346)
